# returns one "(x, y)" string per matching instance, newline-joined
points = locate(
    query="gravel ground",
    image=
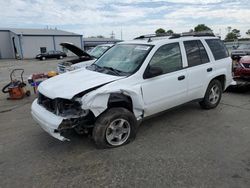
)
(183, 147)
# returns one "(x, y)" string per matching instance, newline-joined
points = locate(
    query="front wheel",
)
(115, 127)
(212, 96)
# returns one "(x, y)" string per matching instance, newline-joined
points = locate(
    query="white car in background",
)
(131, 81)
(83, 59)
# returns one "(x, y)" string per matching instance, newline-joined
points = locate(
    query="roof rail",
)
(152, 36)
(176, 35)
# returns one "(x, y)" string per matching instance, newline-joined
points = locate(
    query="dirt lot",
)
(184, 147)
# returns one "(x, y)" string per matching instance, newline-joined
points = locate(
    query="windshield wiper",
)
(100, 68)
(117, 72)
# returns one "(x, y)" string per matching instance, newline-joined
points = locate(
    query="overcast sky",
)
(133, 17)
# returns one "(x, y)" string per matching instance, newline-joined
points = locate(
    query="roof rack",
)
(152, 36)
(176, 35)
(194, 34)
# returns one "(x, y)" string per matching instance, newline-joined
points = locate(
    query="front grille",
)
(246, 65)
(47, 103)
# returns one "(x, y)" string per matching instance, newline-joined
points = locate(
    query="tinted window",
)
(168, 58)
(51, 52)
(203, 53)
(218, 48)
(43, 50)
(196, 53)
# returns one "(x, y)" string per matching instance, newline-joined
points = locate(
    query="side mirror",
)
(152, 72)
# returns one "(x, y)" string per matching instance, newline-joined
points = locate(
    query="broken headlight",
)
(70, 108)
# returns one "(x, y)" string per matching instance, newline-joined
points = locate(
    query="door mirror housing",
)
(152, 72)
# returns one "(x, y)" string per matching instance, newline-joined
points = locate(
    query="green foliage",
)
(170, 32)
(233, 35)
(160, 31)
(202, 27)
(248, 32)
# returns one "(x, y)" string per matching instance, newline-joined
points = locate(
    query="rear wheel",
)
(115, 127)
(213, 95)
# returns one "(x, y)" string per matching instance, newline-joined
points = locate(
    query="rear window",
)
(218, 48)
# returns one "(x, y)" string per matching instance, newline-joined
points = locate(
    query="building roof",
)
(39, 32)
(96, 39)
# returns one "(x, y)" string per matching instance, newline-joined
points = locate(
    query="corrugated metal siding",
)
(72, 39)
(31, 45)
(6, 50)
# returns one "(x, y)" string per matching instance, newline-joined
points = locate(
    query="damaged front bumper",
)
(47, 120)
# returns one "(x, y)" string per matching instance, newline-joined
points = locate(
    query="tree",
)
(248, 32)
(100, 36)
(170, 32)
(236, 32)
(202, 27)
(160, 31)
(233, 35)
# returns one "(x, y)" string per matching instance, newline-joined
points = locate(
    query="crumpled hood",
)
(69, 84)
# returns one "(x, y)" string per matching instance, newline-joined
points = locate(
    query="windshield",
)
(122, 59)
(98, 51)
(244, 46)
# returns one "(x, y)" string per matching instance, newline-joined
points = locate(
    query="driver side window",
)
(168, 58)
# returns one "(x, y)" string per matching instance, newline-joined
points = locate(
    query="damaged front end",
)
(57, 115)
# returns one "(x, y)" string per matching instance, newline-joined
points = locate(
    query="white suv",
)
(131, 81)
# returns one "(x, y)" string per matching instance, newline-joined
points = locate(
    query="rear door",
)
(199, 68)
(170, 88)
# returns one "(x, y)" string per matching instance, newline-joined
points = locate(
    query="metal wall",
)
(31, 45)
(6, 50)
(76, 40)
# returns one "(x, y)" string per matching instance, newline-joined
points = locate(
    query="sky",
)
(132, 17)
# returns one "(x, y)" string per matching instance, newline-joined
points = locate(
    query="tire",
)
(27, 93)
(114, 128)
(212, 96)
(43, 58)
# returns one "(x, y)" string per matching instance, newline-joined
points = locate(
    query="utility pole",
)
(121, 33)
(112, 35)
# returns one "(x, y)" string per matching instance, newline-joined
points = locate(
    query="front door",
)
(170, 88)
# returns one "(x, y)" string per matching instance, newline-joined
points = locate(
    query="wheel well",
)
(120, 100)
(222, 79)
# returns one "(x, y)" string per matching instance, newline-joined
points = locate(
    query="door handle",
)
(181, 77)
(209, 69)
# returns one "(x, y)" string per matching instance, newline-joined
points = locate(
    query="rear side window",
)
(196, 53)
(218, 48)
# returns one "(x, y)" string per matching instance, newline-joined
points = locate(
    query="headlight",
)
(69, 108)
(69, 68)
